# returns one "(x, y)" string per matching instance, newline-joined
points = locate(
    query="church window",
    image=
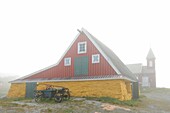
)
(150, 63)
(145, 81)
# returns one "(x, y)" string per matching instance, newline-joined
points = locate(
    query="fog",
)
(35, 34)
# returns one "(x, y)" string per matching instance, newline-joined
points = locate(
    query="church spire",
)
(150, 55)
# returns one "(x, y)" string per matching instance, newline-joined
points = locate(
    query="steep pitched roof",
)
(108, 54)
(111, 57)
(135, 68)
(150, 55)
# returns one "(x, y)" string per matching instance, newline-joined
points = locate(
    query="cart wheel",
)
(67, 95)
(38, 98)
(58, 98)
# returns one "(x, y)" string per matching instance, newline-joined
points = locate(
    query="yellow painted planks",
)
(17, 90)
(101, 88)
(119, 89)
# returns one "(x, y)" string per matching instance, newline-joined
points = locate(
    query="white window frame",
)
(80, 52)
(65, 61)
(94, 55)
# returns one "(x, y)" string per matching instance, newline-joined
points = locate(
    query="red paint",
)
(102, 68)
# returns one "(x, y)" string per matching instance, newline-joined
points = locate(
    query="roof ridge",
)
(91, 37)
(111, 57)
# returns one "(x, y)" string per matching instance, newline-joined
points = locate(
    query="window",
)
(67, 61)
(145, 81)
(82, 47)
(150, 64)
(95, 58)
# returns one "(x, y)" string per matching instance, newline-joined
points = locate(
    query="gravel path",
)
(156, 101)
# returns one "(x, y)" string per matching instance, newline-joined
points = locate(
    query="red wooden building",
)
(86, 59)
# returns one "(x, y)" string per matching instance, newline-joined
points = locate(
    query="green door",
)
(81, 66)
(30, 87)
(135, 90)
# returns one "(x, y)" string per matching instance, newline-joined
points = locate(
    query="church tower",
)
(150, 59)
(151, 68)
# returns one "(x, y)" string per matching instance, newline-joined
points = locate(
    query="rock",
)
(79, 99)
(93, 102)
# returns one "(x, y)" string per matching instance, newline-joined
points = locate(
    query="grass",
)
(48, 110)
(15, 99)
(9, 105)
(115, 101)
(68, 111)
(6, 103)
(47, 100)
(101, 99)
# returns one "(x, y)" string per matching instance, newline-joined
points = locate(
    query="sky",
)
(34, 34)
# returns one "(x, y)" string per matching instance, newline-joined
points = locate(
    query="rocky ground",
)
(151, 101)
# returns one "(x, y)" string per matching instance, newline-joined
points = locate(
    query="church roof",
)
(150, 55)
(145, 70)
(135, 68)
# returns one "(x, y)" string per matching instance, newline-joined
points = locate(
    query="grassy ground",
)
(151, 101)
(74, 105)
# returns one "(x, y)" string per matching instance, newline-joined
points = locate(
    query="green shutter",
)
(77, 66)
(30, 87)
(81, 66)
(84, 65)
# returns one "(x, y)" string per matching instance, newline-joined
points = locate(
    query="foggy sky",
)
(35, 34)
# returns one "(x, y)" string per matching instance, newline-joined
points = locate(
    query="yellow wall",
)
(119, 89)
(17, 90)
